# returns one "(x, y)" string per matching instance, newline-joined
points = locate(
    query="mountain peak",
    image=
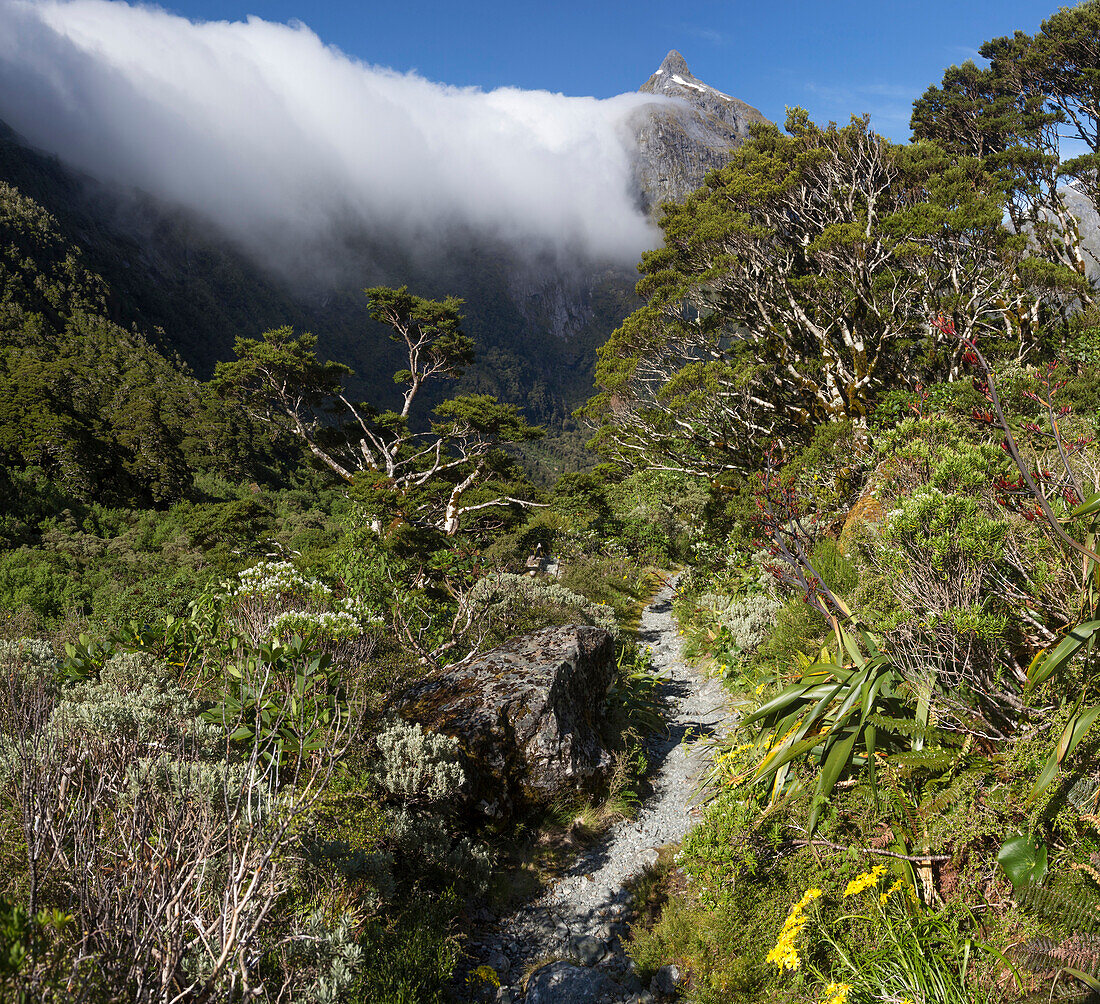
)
(675, 80)
(675, 63)
(679, 141)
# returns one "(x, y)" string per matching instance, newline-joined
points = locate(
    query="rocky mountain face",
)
(679, 142)
(1089, 219)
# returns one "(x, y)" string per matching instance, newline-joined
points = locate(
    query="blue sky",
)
(833, 58)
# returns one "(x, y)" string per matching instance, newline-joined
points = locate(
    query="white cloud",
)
(279, 138)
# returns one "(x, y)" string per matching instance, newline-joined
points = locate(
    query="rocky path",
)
(581, 918)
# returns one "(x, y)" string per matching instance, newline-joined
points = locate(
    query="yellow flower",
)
(785, 954)
(884, 896)
(865, 881)
(836, 993)
(760, 689)
(483, 976)
(808, 897)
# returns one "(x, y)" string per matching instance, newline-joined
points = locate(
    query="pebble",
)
(588, 950)
(666, 981)
(499, 962)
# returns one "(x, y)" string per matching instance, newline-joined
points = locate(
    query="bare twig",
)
(917, 858)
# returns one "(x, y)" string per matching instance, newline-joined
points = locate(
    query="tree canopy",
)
(797, 284)
(1015, 115)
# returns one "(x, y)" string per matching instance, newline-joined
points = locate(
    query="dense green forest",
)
(856, 413)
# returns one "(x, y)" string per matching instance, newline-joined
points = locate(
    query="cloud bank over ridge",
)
(279, 138)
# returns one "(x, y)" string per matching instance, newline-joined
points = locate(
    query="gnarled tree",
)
(1015, 115)
(430, 478)
(793, 287)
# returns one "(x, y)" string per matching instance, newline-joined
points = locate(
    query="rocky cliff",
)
(680, 140)
(1088, 217)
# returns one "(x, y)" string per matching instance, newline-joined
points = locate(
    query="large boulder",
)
(527, 715)
(564, 983)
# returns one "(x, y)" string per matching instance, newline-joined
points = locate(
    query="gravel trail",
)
(582, 916)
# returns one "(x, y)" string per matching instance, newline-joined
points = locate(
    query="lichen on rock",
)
(526, 714)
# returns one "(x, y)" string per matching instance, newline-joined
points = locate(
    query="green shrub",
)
(615, 582)
(410, 956)
(506, 604)
(798, 628)
(34, 966)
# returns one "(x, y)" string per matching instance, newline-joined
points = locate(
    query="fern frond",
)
(1037, 955)
(1081, 952)
(1076, 910)
(1083, 795)
(913, 729)
(950, 795)
(1091, 872)
(1092, 820)
(932, 759)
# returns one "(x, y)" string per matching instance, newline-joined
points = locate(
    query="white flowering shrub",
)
(278, 580)
(273, 600)
(748, 619)
(335, 625)
(419, 770)
(418, 766)
(28, 658)
(510, 604)
(136, 697)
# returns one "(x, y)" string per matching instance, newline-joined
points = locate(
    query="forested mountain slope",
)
(94, 405)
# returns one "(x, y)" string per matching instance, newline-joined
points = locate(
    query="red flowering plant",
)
(1052, 494)
(789, 532)
(844, 711)
(1031, 492)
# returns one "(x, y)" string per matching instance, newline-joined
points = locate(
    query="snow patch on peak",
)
(701, 88)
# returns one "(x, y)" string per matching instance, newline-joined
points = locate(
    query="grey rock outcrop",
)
(666, 982)
(680, 140)
(527, 715)
(565, 983)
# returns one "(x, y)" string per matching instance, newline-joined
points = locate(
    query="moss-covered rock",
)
(527, 715)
